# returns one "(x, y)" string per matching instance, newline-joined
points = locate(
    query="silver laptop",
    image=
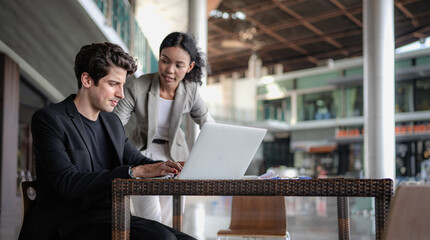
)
(222, 151)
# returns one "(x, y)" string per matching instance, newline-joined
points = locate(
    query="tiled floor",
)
(308, 218)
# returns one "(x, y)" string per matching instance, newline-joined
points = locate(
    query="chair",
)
(409, 214)
(28, 194)
(257, 216)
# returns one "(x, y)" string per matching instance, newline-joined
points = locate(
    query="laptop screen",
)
(222, 151)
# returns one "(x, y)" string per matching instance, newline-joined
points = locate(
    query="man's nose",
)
(120, 92)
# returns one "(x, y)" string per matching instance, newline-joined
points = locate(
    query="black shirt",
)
(103, 151)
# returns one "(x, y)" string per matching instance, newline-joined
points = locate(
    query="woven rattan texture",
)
(380, 189)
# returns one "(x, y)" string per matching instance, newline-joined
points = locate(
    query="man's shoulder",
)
(53, 110)
(111, 118)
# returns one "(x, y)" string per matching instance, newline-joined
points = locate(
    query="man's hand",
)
(157, 169)
(181, 162)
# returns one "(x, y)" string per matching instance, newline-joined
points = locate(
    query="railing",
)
(142, 51)
(119, 15)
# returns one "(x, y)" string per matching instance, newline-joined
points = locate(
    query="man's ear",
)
(86, 80)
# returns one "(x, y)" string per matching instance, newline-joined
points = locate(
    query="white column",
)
(198, 24)
(378, 53)
(197, 27)
(252, 63)
(294, 115)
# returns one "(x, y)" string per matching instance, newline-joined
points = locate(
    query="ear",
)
(86, 80)
(191, 67)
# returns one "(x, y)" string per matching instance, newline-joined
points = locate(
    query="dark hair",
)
(97, 58)
(187, 43)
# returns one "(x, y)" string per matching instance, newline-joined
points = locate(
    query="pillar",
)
(378, 83)
(9, 123)
(197, 27)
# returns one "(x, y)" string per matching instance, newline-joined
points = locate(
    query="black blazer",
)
(69, 193)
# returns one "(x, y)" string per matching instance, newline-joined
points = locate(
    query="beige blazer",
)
(141, 97)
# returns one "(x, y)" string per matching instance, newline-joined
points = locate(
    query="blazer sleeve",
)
(65, 163)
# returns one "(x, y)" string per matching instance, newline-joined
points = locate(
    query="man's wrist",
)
(130, 172)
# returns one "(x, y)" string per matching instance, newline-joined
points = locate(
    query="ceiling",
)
(300, 34)
(46, 35)
(297, 33)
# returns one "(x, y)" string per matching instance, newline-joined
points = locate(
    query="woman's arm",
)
(199, 112)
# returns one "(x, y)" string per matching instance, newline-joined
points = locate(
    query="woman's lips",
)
(169, 79)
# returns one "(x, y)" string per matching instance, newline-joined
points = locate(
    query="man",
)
(80, 147)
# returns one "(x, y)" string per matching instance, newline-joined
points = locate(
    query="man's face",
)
(109, 90)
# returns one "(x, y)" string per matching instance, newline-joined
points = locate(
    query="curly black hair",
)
(187, 43)
(97, 58)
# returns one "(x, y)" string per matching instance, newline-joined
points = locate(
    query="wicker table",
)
(380, 189)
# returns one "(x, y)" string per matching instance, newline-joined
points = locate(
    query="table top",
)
(287, 187)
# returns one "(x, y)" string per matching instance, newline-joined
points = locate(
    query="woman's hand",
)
(157, 169)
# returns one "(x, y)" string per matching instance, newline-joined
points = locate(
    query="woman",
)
(159, 100)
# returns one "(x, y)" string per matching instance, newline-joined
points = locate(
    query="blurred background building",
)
(296, 68)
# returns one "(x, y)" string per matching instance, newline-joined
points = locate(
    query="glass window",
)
(422, 94)
(276, 89)
(353, 71)
(277, 153)
(403, 63)
(354, 101)
(339, 102)
(316, 106)
(423, 61)
(319, 80)
(279, 109)
(404, 97)
(261, 90)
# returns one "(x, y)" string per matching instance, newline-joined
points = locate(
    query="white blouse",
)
(163, 117)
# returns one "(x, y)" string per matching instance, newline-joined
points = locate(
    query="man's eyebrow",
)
(114, 81)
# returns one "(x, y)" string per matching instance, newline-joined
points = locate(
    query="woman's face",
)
(174, 63)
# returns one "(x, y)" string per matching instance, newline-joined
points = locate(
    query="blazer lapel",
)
(153, 95)
(176, 112)
(112, 137)
(77, 121)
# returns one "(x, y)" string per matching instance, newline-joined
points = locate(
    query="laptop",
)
(222, 151)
